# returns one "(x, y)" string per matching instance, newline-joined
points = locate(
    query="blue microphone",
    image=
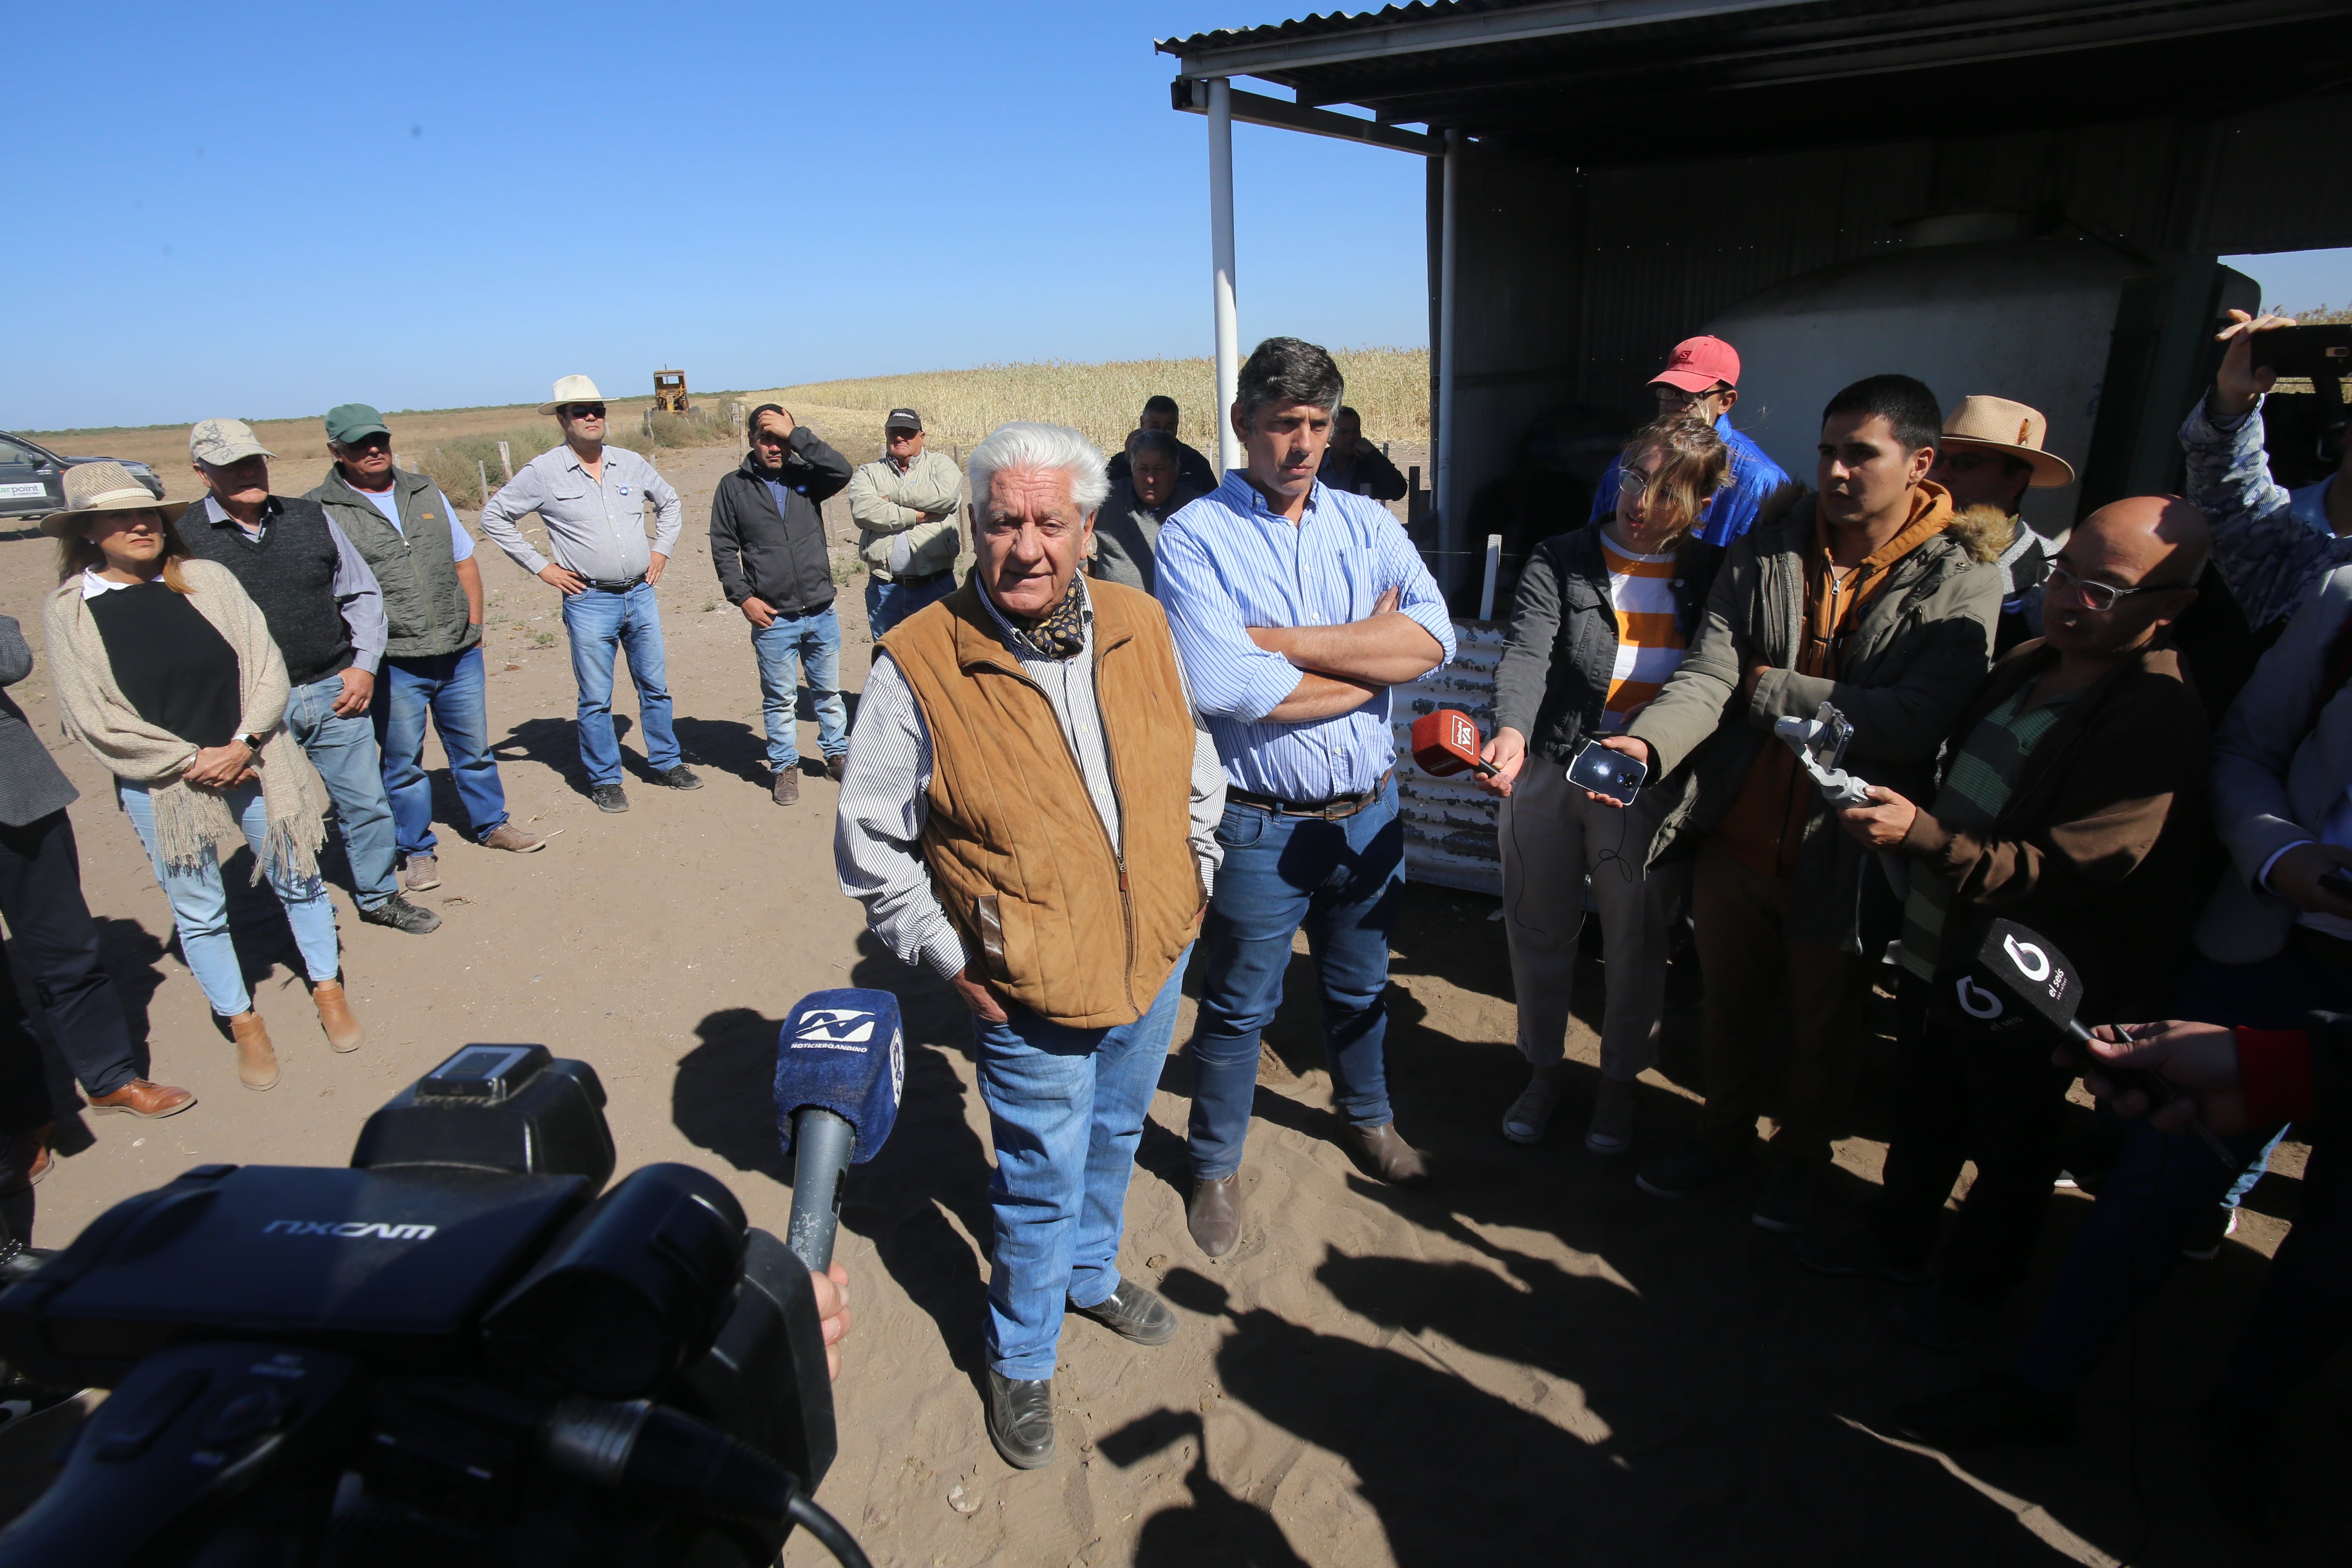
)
(840, 1065)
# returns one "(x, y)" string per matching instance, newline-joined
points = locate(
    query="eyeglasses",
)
(587, 410)
(2099, 596)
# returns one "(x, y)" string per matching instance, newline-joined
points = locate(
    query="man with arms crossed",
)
(1296, 607)
(592, 500)
(1032, 813)
(904, 504)
(423, 563)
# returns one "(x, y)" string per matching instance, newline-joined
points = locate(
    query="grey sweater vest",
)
(290, 575)
(425, 605)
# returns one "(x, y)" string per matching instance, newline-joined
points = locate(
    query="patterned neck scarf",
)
(1060, 633)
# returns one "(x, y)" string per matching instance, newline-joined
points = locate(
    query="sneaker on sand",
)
(1610, 1130)
(678, 777)
(2206, 1230)
(609, 797)
(786, 788)
(1851, 1247)
(1692, 1169)
(1529, 1116)
(506, 835)
(422, 873)
(1786, 1204)
(401, 915)
(836, 766)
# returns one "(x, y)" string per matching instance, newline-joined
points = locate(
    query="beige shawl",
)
(190, 819)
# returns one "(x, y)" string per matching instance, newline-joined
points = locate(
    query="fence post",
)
(483, 468)
(505, 461)
(1494, 565)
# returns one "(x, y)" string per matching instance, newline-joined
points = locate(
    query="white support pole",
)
(1450, 535)
(1221, 255)
(1493, 569)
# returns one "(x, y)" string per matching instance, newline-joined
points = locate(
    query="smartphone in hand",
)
(1603, 770)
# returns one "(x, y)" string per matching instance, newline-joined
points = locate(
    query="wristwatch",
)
(251, 743)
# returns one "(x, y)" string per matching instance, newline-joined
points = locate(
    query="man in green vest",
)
(424, 561)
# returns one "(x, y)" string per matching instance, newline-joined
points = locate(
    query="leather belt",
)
(1334, 810)
(926, 577)
(613, 587)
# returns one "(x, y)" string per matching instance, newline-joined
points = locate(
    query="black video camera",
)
(454, 1351)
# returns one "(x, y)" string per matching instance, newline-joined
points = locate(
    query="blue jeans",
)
(2126, 1249)
(1343, 881)
(344, 752)
(783, 647)
(200, 904)
(887, 603)
(600, 623)
(1065, 1111)
(448, 688)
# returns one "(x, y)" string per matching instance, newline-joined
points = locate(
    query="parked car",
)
(32, 477)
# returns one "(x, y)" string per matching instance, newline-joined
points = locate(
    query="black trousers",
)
(49, 929)
(1957, 1099)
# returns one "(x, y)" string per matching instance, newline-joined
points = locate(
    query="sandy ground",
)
(1534, 1363)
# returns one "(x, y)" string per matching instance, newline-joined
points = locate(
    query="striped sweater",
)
(1649, 644)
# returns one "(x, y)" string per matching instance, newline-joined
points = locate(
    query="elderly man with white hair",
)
(1030, 810)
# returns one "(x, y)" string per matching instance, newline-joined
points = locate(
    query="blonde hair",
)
(1694, 464)
(78, 553)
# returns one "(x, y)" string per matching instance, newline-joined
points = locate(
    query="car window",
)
(16, 452)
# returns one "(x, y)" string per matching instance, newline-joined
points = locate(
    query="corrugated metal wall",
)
(1449, 824)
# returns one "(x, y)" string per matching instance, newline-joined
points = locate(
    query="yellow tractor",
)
(669, 391)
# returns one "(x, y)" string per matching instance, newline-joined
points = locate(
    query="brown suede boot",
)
(257, 1058)
(335, 1014)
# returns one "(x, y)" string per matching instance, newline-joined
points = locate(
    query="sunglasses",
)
(2100, 597)
(587, 410)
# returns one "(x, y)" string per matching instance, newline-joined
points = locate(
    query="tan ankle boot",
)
(257, 1058)
(335, 1014)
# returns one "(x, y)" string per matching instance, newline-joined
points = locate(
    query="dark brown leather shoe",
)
(24, 1160)
(142, 1098)
(834, 767)
(1214, 1213)
(1385, 1154)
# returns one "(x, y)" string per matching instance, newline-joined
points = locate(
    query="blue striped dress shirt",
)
(1228, 561)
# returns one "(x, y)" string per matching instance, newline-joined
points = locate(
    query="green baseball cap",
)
(348, 422)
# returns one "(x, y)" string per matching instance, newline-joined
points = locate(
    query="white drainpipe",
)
(1221, 249)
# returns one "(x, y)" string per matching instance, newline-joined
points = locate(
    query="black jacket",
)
(1562, 651)
(781, 559)
(1192, 468)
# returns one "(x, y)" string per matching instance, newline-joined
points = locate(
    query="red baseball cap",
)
(1698, 363)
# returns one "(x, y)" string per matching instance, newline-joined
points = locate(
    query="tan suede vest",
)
(1019, 857)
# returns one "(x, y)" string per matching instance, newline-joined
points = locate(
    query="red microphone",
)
(1445, 742)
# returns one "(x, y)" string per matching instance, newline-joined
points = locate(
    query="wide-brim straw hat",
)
(571, 389)
(1996, 424)
(95, 488)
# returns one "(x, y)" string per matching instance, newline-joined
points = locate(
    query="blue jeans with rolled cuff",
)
(784, 648)
(200, 903)
(344, 751)
(602, 624)
(447, 688)
(1343, 883)
(1066, 1111)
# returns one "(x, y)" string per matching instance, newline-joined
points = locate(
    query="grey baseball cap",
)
(903, 419)
(221, 442)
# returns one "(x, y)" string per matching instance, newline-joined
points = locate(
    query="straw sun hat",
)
(98, 486)
(1996, 424)
(572, 389)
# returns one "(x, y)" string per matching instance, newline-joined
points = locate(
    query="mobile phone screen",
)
(1606, 772)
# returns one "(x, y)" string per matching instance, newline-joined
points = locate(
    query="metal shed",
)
(1605, 176)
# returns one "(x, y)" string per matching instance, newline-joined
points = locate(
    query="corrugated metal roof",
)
(1324, 25)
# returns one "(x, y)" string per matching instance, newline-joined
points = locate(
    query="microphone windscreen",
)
(1445, 743)
(2001, 978)
(845, 1052)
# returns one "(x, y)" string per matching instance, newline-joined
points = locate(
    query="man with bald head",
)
(2070, 804)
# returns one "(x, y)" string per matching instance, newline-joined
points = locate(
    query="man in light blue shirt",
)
(1295, 608)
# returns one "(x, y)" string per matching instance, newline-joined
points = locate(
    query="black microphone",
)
(2003, 980)
(840, 1065)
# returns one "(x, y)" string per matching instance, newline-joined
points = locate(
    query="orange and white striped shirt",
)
(1649, 644)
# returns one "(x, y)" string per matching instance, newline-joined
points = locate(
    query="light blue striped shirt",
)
(1228, 561)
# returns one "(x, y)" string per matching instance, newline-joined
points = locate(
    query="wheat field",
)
(1389, 387)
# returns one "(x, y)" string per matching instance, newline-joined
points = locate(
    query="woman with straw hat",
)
(165, 669)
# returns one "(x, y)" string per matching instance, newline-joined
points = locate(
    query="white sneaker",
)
(1610, 1131)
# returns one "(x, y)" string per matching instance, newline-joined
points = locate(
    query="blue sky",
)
(271, 208)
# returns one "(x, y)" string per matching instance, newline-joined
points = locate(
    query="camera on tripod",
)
(462, 1349)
